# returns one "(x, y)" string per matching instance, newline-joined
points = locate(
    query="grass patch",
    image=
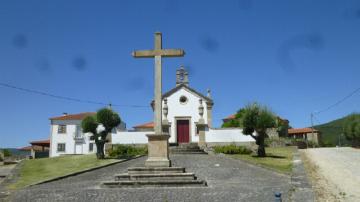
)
(38, 170)
(278, 158)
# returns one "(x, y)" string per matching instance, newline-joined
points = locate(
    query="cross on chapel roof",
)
(182, 76)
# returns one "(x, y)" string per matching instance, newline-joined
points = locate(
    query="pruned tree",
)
(256, 120)
(100, 125)
(352, 129)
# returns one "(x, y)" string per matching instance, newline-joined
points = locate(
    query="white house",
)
(66, 135)
(184, 108)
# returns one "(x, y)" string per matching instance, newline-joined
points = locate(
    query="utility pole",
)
(312, 128)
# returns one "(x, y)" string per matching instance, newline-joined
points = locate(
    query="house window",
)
(61, 147)
(91, 147)
(197, 130)
(62, 129)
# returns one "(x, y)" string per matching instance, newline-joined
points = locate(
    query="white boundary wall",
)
(227, 135)
(220, 135)
(130, 137)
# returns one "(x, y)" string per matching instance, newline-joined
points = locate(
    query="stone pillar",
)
(202, 139)
(209, 113)
(201, 126)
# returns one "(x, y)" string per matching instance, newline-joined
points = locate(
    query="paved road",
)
(5, 171)
(340, 166)
(228, 180)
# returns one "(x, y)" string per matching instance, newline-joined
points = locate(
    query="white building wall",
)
(68, 139)
(188, 110)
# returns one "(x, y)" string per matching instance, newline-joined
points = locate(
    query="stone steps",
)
(155, 183)
(156, 176)
(150, 170)
(191, 148)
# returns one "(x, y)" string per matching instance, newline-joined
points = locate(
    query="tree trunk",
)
(100, 149)
(260, 141)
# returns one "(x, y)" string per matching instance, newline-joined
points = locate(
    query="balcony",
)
(78, 136)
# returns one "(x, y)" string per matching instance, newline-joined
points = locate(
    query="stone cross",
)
(158, 143)
(158, 52)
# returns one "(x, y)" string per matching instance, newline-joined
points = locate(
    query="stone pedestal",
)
(158, 148)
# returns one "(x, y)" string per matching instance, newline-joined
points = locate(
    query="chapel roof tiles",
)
(170, 92)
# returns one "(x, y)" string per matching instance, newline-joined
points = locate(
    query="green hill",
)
(333, 131)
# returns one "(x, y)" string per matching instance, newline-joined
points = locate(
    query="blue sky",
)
(294, 56)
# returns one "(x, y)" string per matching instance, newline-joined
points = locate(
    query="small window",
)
(62, 129)
(91, 147)
(197, 130)
(183, 100)
(61, 147)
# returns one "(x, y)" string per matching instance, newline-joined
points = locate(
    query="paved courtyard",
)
(340, 167)
(228, 180)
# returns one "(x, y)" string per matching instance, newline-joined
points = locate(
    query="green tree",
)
(256, 120)
(7, 153)
(236, 122)
(100, 126)
(352, 129)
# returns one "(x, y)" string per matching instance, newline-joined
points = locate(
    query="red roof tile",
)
(232, 116)
(301, 130)
(145, 125)
(79, 116)
(40, 142)
(28, 148)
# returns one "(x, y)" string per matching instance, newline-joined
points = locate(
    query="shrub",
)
(127, 151)
(7, 153)
(232, 149)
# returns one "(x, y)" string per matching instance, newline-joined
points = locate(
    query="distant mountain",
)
(332, 132)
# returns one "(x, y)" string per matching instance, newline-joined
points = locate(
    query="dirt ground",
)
(334, 173)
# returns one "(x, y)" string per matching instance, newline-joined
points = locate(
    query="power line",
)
(66, 98)
(338, 102)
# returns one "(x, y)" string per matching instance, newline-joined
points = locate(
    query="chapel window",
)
(183, 100)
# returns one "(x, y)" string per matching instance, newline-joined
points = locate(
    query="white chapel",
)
(187, 116)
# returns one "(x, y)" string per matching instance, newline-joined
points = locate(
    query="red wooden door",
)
(183, 131)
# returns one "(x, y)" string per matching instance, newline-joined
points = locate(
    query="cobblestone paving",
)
(228, 180)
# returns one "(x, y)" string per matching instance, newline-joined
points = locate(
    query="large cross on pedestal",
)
(156, 146)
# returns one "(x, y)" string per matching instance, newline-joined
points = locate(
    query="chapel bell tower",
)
(182, 76)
